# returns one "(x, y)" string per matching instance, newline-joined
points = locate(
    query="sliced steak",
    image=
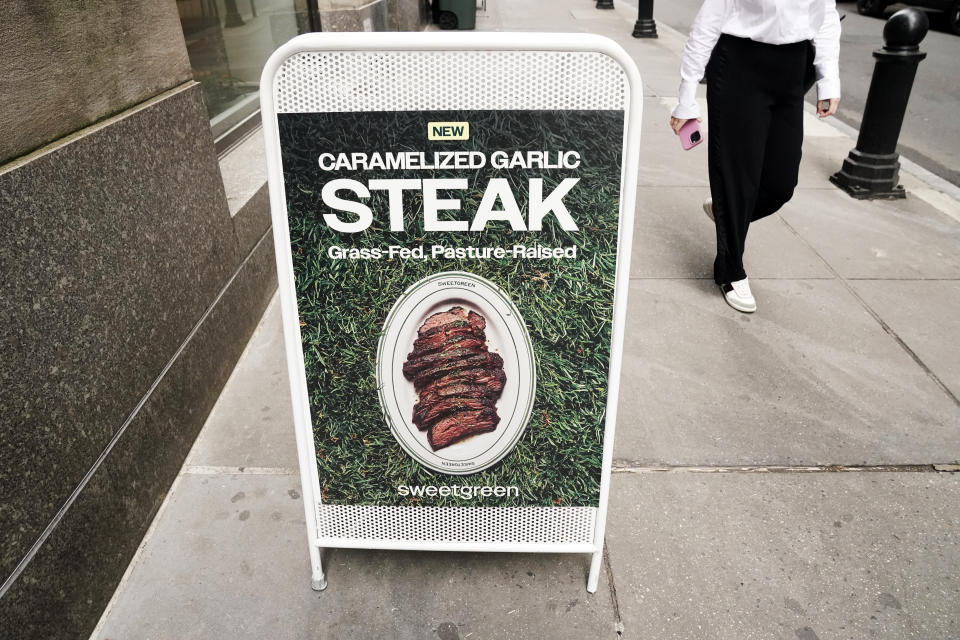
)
(457, 379)
(445, 341)
(449, 396)
(459, 326)
(477, 321)
(456, 389)
(485, 361)
(428, 414)
(459, 426)
(416, 364)
(492, 380)
(453, 315)
(448, 321)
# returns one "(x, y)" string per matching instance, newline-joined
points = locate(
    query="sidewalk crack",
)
(614, 600)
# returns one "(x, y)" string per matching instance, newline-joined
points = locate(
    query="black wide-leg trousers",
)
(755, 110)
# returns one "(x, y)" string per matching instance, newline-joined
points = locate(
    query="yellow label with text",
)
(448, 131)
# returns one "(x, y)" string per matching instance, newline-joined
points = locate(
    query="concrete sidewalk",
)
(780, 475)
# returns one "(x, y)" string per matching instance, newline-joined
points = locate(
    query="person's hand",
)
(677, 123)
(827, 107)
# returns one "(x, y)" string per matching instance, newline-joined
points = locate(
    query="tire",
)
(873, 8)
(448, 20)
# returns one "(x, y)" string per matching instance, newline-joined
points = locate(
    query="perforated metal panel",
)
(479, 525)
(447, 80)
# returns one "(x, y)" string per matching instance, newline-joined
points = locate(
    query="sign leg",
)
(318, 581)
(594, 578)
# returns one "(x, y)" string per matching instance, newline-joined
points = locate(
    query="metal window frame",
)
(237, 133)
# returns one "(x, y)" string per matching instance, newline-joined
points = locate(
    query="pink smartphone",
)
(690, 135)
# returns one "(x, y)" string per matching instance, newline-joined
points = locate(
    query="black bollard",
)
(604, 4)
(872, 169)
(645, 26)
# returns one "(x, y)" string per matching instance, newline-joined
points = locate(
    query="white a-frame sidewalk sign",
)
(452, 216)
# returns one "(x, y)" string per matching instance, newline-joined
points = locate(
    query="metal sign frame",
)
(455, 44)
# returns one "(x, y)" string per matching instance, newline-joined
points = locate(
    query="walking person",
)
(760, 57)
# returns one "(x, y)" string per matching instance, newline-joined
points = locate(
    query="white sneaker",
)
(708, 208)
(738, 295)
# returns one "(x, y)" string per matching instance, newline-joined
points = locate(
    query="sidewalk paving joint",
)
(614, 601)
(883, 324)
(206, 470)
(625, 467)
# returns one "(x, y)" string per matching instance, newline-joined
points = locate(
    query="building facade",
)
(136, 257)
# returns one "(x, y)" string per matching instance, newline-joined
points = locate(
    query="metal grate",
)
(511, 525)
(448, 80)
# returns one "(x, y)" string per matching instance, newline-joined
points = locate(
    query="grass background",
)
(567, 304)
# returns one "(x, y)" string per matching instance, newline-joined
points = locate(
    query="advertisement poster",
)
(454, 275)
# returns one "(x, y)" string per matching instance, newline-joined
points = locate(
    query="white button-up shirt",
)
(770, 21)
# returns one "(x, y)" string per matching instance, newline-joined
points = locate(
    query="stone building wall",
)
(130, 287)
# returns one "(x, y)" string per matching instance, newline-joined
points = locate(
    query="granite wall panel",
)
(66, 65)
(114, 244)
(253, 219)
(63, 590)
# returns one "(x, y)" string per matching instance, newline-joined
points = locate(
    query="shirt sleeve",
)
(704, 33)
(827, 59)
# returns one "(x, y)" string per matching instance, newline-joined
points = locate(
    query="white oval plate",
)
(506, 335)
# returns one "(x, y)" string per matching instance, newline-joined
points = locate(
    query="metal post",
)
(645, 26)
(593, 578)
(872, 169)
(604, 4)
